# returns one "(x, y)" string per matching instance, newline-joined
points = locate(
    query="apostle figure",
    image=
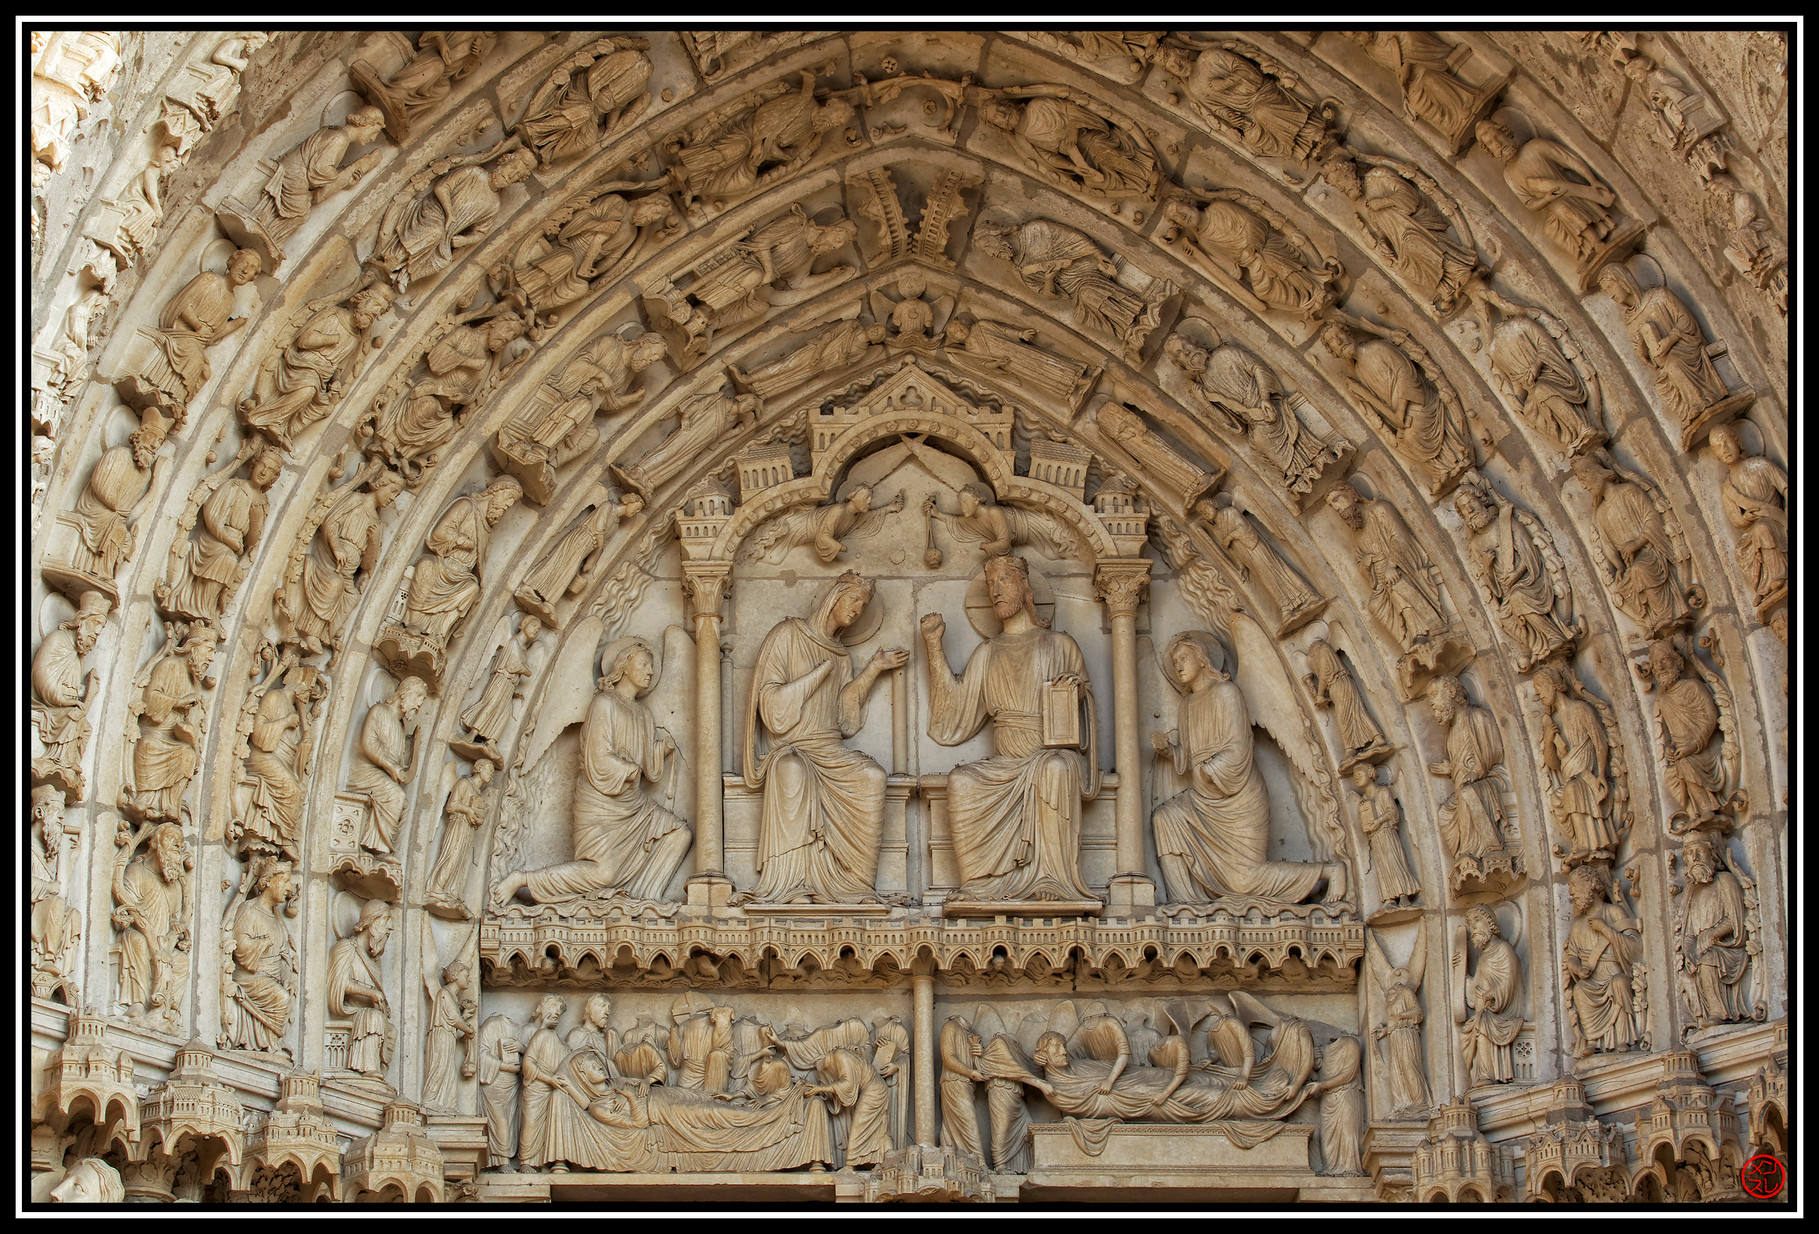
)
(150, 893)
(462, 816)
(1016, 814)
(1691, 742)
(1669, 340)
(1546, 176)
(1755, 502)
(1601, 950)
(451, 1023)
(1408, 232)
(960, 1057)
(276, 760)
(264, 960)
(1509, 552)
(624, 842)
(171, 727)
(1233, 90)
(1380, 819)
(446, 584)
(1213, 839)
(823, 807)
(356, 990)
(1471, 822)
(1714, 935)
(345, 545)
(1641, 560)
(311, 172)
(233, 521)
(1428, 429)
(1555, 399)
(314, 370)
(537, 1071)
(193, 320)
(456, 210)
(1483, 1002)
(1576, 750)
(386, 760)
(104, 508)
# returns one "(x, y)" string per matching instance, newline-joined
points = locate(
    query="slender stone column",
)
(706, 584)
(1121, 585)
(922, 986)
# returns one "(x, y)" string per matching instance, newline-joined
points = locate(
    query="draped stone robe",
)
(624, 841)
(1015, 815)
(823, 812)
(1219, 828)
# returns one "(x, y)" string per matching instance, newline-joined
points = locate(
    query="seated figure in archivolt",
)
(624, 842)
(823, 811)
(1213, 839)
(1016, 815)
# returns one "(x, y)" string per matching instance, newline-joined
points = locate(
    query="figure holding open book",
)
(1016, 815)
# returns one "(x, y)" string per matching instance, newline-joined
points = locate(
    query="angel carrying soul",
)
(827, 528)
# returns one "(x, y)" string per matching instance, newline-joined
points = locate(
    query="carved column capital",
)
(706, 584)
(1121, 582)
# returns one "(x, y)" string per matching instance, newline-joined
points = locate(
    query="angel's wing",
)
(1417, 960)
(1379, 964)
(782, 533)
(1040, 530)
(1262, 674)
(1727, 723)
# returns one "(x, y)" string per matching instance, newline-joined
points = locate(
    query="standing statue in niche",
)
(1484, 1000)
(557, 425)
(259, 977)
(498, 1067)
(492, 711)
(1514, 560)
(1213, 839)
(1068, 138)
(1713, 951)
(346, 545)
(1636, 549)
(582, 246)
(305, 381)
(1574, 203)
(308, 174)
(233, 523)
(823, 811)
(832, 346)
(720, 161)
(464, 365)
(1295, 601)
(1016, 814)
(387, 758)
(56, 927)
(452, 1016)
(1755, 503)
(1576, 753)
(356, 991)
(462, 817)
(704, 422)
(1399, 1036)
(104, 509)
(1471, 821)
(1256, 258)
(151, 897)
(1669, 339)
(625, 843)
(1429, 430)
(1598, 960)
(541, 1056)
(1014, 355)
(443, 58)
(568, 568)
(1380, 819)
(1332, 685)
(1342, 1113)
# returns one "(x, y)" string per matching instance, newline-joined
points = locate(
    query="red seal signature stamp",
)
(1763, 1177)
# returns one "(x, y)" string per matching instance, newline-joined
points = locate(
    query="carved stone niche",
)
(1572, 1152)
(297, 1134)
(194, 1115)
(86, 1077)
(1455, 1164)
(1688, 1137)
(399, 1163)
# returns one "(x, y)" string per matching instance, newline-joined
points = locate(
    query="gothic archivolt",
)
(940, 615)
